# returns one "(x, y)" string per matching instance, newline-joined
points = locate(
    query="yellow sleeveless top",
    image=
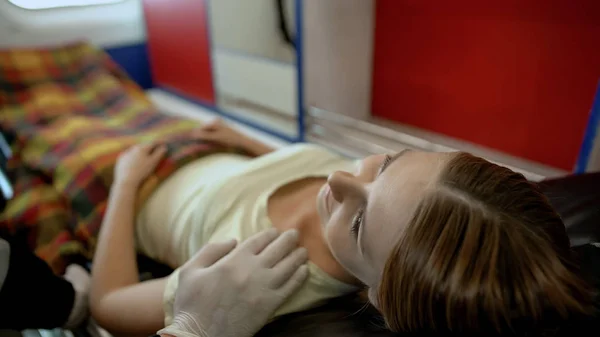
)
(224, 196)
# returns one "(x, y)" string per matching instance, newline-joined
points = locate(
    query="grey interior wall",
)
(338, 49)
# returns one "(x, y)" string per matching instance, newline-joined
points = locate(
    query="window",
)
(43, 4)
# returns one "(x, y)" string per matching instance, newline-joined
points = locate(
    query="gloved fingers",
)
(286, 268)
(293, 283)
(211, 253)
(280, 248)
(257, 242)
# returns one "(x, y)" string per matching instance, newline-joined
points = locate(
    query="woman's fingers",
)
(280, 248)
(293, 283)
(214, 124)
(158, 153)
(258, 242)
(145, 148)
(211, 126)
(287, 267)
(205, 135)
(212, 253)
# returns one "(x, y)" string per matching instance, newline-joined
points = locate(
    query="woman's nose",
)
(343, 184)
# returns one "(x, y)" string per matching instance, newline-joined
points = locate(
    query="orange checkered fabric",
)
(71, 111)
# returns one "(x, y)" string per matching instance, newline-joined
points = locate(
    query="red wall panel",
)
(179, 46)
(517, 75)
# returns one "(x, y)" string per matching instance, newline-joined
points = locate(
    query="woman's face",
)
(364, 212)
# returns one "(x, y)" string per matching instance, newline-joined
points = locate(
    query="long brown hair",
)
(484, 253)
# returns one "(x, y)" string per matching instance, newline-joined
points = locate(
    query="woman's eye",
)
(356, 223)
(386, 162)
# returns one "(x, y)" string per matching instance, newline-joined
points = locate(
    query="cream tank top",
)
(225, 196)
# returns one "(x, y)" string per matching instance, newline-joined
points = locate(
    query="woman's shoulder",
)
(310, 149)
(309, 157)
(312, 153)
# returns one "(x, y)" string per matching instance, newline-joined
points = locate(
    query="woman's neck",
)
(294, 206)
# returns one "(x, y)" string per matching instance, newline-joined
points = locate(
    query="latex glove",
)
(227, 292)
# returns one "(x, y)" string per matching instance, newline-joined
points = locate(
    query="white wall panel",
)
(256, 80)
(109, 25)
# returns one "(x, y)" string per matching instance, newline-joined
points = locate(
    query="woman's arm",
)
(255, 147)
(115, 263)
(118, 302)
(136, 310)
(221, 133)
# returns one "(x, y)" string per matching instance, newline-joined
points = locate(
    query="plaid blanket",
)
(70, 111)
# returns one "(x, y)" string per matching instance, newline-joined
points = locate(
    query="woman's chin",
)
(324, 217)
(323, 223)
(322, 206)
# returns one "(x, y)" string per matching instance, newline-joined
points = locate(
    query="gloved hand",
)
(226, 291)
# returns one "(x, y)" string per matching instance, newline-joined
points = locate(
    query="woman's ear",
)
(364, 295)
(369, 295)
(372, 295)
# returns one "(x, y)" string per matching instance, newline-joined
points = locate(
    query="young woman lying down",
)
(443, 241)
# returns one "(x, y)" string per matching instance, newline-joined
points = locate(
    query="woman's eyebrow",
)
(396, 156)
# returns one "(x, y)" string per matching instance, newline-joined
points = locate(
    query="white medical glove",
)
(229, 291)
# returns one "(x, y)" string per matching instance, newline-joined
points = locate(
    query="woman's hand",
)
(219, 132)
(135, 164)
(226, 291)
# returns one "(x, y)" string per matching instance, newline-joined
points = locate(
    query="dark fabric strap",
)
(4, 260)
(32, 296)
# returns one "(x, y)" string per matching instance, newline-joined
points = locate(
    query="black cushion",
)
(577, 200)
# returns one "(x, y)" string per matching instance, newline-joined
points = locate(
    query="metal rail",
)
(360, 138)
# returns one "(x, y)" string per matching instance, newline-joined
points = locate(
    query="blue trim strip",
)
(135, 61)
(223, 113)
(590, 135)
(300, 68)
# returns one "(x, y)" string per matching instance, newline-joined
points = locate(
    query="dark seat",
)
(577, 200)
